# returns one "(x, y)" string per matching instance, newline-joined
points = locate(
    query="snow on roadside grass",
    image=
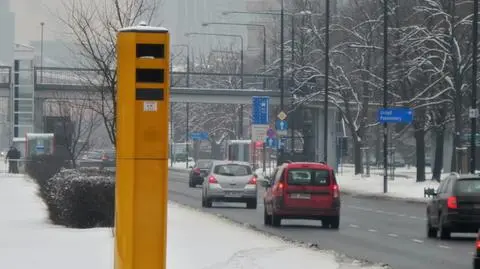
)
(195, 240)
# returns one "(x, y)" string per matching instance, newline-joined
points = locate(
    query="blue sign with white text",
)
(395, 115)
(281, 125)
(260, 109)
(199, 136)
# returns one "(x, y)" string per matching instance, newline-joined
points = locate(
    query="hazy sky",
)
(29, 14)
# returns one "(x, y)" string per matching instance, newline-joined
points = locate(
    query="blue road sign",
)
(199, 136)
(271, 133)
(281, 125)
(395, 115)
(271, 142)
(260, 109)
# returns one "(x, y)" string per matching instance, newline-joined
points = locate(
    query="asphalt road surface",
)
(389, 232)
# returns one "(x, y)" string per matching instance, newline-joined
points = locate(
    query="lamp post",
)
(187, 48)
(327, 68)
(385, 92)
(264, 41)
(240, 129)
(474, 113)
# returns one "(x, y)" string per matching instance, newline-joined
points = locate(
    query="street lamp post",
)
(241, 69)
(474, 115)
(385, 92)
(264, 41)
(327, 68)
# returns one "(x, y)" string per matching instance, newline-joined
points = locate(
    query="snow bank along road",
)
(391, 232)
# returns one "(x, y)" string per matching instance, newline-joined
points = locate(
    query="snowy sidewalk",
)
(195, 240)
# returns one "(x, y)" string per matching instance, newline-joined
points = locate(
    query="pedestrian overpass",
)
(69, 83)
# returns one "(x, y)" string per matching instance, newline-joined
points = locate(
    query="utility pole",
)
(327, 68)
(474, 110)
(282, 67)
(385, 92)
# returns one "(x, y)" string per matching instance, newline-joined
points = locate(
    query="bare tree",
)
(93, 25)
(78, 122)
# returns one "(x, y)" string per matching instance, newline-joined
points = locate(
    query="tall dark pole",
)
(240, 130)
(264, 56)
(282, 84)
(42, 24)
(385, 92)
(327, 68)
(473, 119)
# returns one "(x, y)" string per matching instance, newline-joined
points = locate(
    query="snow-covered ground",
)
(195, 240)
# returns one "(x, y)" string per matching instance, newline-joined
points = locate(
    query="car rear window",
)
(232, 170)
(466, 186)
(308, 177)
(203, 164)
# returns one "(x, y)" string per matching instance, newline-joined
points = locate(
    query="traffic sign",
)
(270, 133)
(259, 131)
(260, 109)
(281, 125)
(199, 136)
(395, 115)
(271, 142)
(282, 115)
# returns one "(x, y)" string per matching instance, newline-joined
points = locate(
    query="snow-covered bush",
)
(41, 168)
(80, 198)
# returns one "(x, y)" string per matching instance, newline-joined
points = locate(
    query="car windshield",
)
(233, 170)
(311, 177)
(466, 186)
(203, 164)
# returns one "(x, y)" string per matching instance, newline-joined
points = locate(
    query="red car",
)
(476, 253)
(302, 190)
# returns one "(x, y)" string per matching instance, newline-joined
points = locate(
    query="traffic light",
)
(142, 147)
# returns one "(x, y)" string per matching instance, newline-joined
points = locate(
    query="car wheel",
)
(444, 232)
(276, 220)
(431, 231)
(267, 219)
(208, 202)
(335, 222)
(252, 204)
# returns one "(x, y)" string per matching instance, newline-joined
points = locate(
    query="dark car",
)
(198, 172)
(302, 190)
(476, 253)
(455, 206)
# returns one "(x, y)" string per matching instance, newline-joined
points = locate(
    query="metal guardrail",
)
(5, 76)
(95, 77)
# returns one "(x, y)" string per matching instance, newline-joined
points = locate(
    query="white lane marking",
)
(386, 213)
(417, 241)
(380, 211)
(393, 235)
(471, 253)
(353, 226)
(401, 215)
(443, 246)
(372, 230)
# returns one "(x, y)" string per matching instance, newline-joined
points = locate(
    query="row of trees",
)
(429, 64)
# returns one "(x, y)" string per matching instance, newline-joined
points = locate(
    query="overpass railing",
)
(5, 76)
(95, 77)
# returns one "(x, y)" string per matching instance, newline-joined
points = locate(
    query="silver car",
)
(230, 181)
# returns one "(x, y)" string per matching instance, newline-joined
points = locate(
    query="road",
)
(389, 232)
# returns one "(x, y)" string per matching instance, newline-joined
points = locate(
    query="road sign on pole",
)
(259, 132)
(270, 133)
(395, 115)
(199, 136)
(281, 126)
(282, 115)
(271, 142)
(260, 109)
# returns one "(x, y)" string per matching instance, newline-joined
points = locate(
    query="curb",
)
(381, 196)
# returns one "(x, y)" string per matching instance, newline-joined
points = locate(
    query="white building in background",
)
(22, 92)
(7, 31)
